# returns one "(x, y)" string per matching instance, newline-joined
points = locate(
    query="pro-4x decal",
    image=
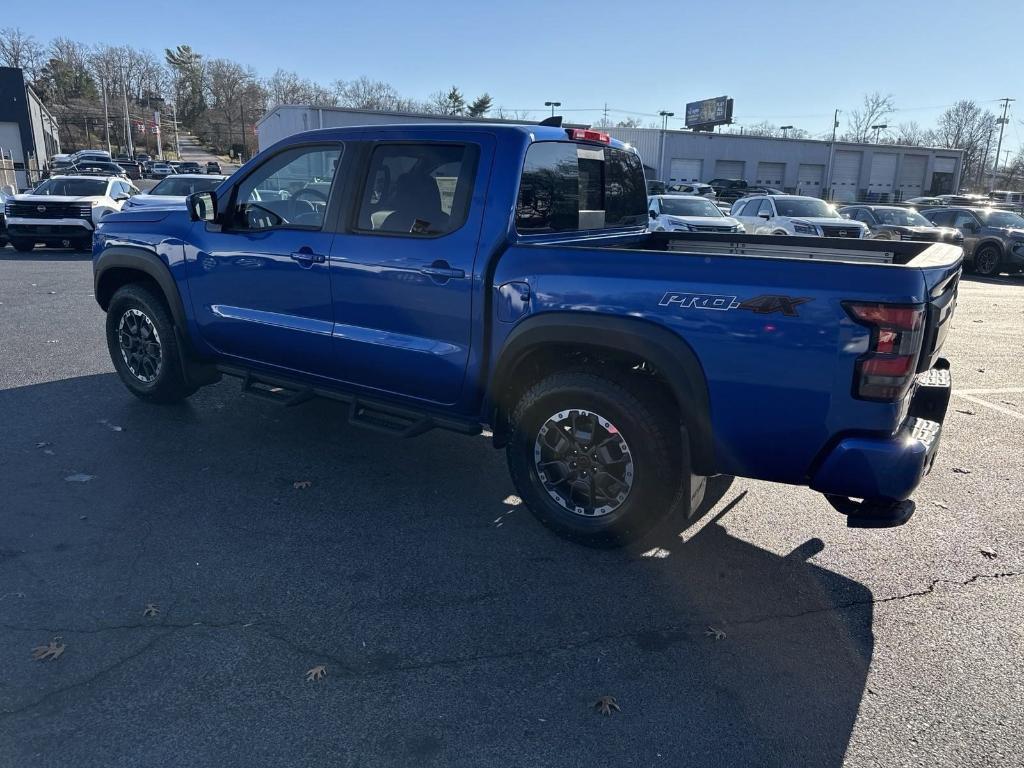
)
(765, 304)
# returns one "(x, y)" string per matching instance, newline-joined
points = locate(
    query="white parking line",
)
(993, 406)
(1005, 391)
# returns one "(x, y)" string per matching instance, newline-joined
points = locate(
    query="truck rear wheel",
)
(22, 246)
(596, 458)
(143, 346)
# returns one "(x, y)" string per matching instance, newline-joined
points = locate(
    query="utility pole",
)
(177, 146)
(606, 114)
(831, 156)
(664, 135)
(241, 157)
(130, 149)
(979, 177)
(106, 114)
(1002, 121)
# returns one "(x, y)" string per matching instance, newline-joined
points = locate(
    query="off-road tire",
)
(645, 419)
(168, 384)
(22, 246)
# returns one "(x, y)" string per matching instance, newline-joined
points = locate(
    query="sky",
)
(788, 62)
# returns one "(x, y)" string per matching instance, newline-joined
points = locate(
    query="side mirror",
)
(202, 206)
(653, 214)
(764, 216)
(121, 198)
(970, 226)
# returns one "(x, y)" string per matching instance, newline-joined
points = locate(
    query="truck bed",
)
(850, 251)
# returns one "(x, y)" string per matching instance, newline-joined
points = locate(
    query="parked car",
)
(703, 190)
(142, 157)
(147, 168)
(925, 202)
(87, 167)
(119, 158)
(57, 168)
(64, 211)
(688, 213)
(794, 215)
(729, 190)
(993, 238)
(188, 167)
(213, 166)
(617, 367)
(175, 164)
(891, 222)
(173, 190)
(132, 169)
(6, 193)
(90, 155)
(655, 187)
(160, 170)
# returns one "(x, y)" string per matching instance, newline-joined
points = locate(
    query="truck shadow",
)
(455, 630)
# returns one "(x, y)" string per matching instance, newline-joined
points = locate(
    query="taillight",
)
(887, 370)
(585, 134)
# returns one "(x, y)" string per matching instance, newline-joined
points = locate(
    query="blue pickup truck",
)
(471, 276)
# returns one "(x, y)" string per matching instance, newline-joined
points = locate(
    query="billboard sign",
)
(705, 115)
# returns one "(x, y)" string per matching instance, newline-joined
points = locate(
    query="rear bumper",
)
(890, 468)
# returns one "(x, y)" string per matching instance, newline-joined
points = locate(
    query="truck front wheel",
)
(596, 458)
(143, 347)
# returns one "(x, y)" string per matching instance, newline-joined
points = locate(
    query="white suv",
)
(63, 211)
(688, 213)
(794, 215)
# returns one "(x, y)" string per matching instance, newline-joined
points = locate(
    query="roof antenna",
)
(555, 121)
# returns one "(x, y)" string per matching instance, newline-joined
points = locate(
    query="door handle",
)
(307, 258)
(442, 270)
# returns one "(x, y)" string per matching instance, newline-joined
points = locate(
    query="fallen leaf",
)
(318, 672)
(940, 505)
(150, 610)
(977, 321)
(989, 554)
(80, 478)
(718, 634)
(301, 484)
(1007, 402)
(961, 471)
(980, 370)
(43, 444)
(48, 652)
(606, 704)
(969, 413)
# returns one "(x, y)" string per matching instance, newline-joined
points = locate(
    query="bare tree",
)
(364, 93)
(966, 126)
(284, 87)
(450, 102)
(518, 115)
(911, 134)
(21, 51)
(874, 109)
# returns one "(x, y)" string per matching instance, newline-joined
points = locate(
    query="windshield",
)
(72, 187)
(689, 206)
(1002, 219)
(178, 187)
(901, 217)
(794, 206)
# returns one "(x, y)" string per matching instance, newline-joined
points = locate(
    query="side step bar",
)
(376, 415)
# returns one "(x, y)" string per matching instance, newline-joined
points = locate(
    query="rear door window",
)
(567, 187)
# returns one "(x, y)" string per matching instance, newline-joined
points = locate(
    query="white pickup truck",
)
(63, 211)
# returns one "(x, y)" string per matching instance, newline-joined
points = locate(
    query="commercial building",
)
(28, 133)
(288, 119)
(844, 171)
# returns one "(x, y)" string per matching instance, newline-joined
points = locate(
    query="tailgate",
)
(942, 282)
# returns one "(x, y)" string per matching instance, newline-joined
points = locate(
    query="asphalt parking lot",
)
(193, 578)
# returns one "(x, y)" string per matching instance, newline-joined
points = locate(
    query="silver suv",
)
(993, 238)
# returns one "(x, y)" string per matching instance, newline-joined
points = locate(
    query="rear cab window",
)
(568, 186)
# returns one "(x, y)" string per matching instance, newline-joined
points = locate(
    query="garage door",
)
(945, 165)
(912, 170)
(729, 169)
(771, 174)
(808, 179)
(882, 177)
(682, 171)
(845, 175)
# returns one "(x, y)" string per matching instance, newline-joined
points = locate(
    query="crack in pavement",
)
(667, 635)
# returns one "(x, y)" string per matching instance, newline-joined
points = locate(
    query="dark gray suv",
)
(993, 238)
